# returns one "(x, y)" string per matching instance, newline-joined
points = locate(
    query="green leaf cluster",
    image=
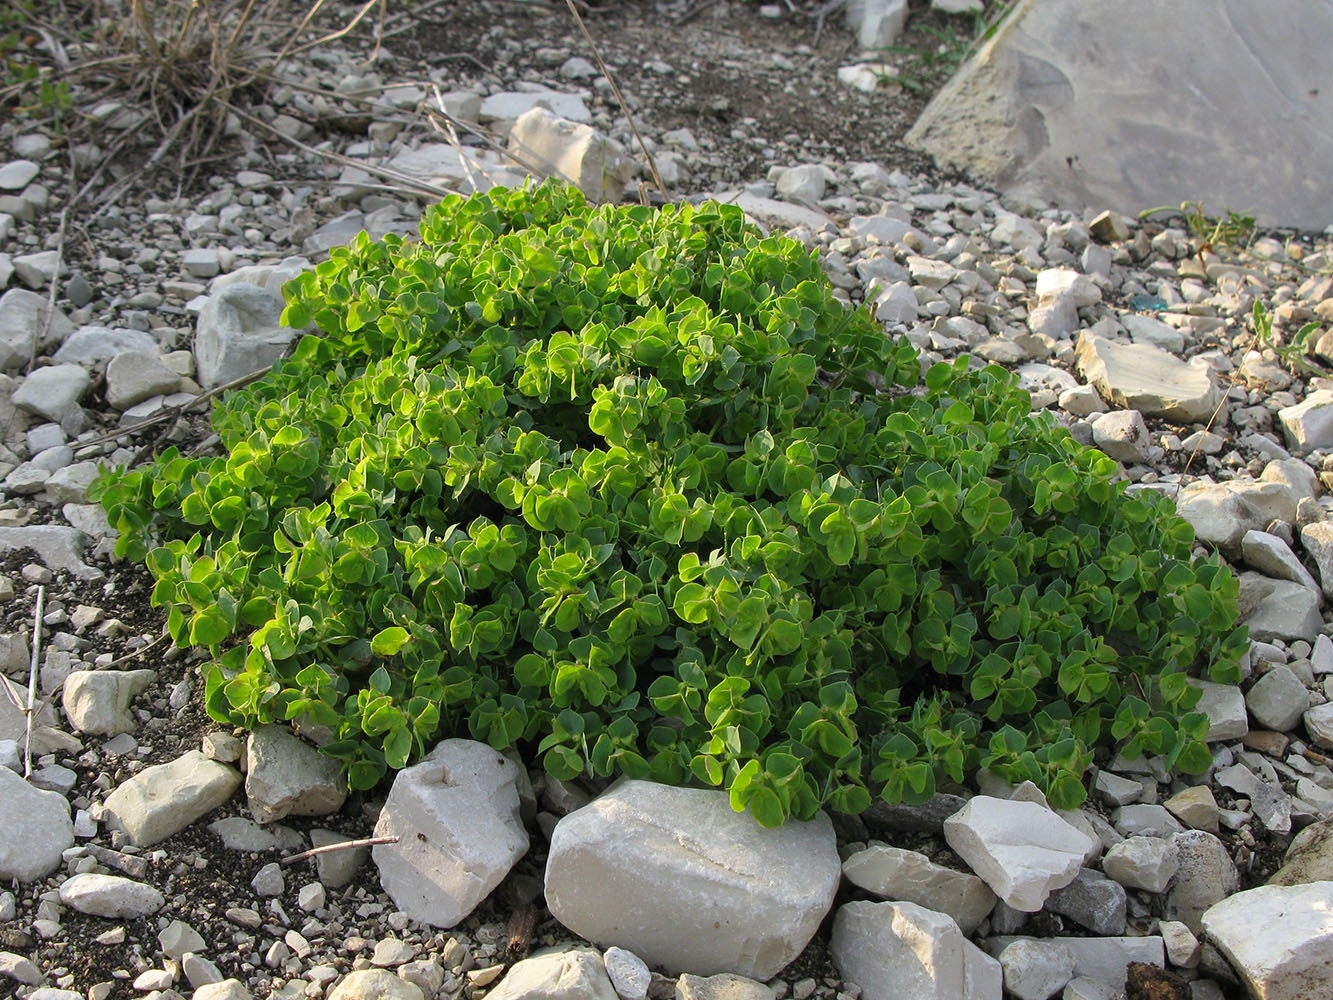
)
(631, 489)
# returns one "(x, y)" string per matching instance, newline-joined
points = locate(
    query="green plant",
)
(1295, 352)
(1233, 229)
(630, 488)
(924, 67)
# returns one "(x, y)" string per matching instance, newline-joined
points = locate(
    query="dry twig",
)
(30, 710)
(342, 845)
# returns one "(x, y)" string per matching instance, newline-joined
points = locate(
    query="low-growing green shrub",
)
(631, 489)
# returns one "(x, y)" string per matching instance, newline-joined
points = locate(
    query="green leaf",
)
(390, 641)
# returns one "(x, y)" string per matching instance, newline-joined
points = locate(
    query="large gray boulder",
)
(1291, 958)
(686, 883)
(1092, 104)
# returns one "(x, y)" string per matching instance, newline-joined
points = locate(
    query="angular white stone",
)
(1224, 704)
(36, 827)
(1309, 424)
(1123, 436)
(877, 23)
(1036, 970)
(1319, 724)
(1279, 609)
(228, 989)
(896, 874)
(576, 152)
(110, 896)
(22, 319)
(557, 974)
(1278, 938)
(686, 883)
(894, 950)
(50, 392)
(133, 376)
(1278, 699)
(514, 104)
(1147, 863)
(1273, 557)
(457, 816)
(1102, 958)
(374, 984)
(629, 974)
(1145, 378)
(1022, 850)
(98, 701)
(239, 331)
(1146, 330)
(166, 798)
(285, 776)
(1317, 539)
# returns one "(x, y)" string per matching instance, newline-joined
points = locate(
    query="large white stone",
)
(1089, 105)
(110, 896)
(1308, 424)
(1036, 970)
(98, 343)
(1278, 938)
(375, 984)
(98, 701)
(1021, 849)
(1317, 539)
(1273, 557)
(36, 827)
(1106, 959)
(166, 798)
(23, 318)
(51, 392)
(457, 816)
(575, 152)
(133, 376)
(1224, 704)
(239, 331)
(560, 974)
(1145, 378)
(897, 874)
(686, 883)
(1279, 609)
(1147, 863)
(285, 776)
(512, 104)
(877, 23)
(1319, 724)
(896, 950)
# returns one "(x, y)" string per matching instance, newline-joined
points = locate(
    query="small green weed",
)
(616, 485)
(1232, 229)
(1294, 352)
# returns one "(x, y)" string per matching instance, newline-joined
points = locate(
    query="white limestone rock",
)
(133, 376)
(22, 319)
(686, 883)
(1105, 959)
(337, 868)
(51, 392)
(1123, 436)
(629, 974)
(457, 814)
(89, 344)
(1224, 704)
(239, 331)
(1279, 609)
(1146, 330)
(894, 950)
(1319, 724)
(556, 974)
(723, 986)
(98, 701)
(1144, 378)
(1278, 699)
(576, 152)
(166, 798)
(512, 105)
(877, 23)
(1292, 957)
(36, 827)
(1147, 863)
(1021, 849)
(285, 776)
(803, 184)
(375, 984)
(1309, 424)
(1317, 539)
(227, 989)
(896, 874)
(1036, 970)
(110, 896)
(1273, 557)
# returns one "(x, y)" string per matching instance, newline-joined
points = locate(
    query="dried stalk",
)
(342, 845)
(620, 98)
(31, 709)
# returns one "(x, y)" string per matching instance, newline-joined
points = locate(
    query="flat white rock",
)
(899, 875)
(1021, 849)
(457, 816)
(110, 896)
(686, 883)
(562, 974)
(285, 776)
(166, 798)
(1292, 958)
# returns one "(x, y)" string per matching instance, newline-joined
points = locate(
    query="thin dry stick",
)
(342, 845)
(31, 710)
(39, 333)
(449, 133)
(620, 98)
(138, 652)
